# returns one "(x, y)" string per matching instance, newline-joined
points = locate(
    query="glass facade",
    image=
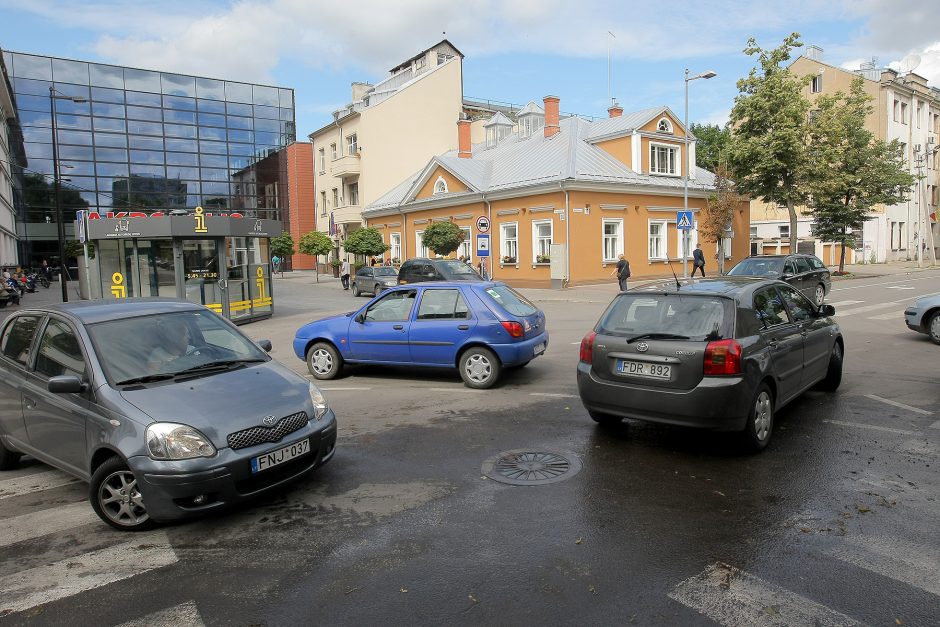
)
(140, 140)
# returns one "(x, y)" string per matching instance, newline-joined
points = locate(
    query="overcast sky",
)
(515, 51)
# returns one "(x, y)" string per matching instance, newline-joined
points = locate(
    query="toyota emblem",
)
(642, 347)
(269, 421)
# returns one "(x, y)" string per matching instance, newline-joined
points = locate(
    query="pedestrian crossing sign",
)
(684, 220)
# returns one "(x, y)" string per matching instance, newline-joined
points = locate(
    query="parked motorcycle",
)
(38, 278)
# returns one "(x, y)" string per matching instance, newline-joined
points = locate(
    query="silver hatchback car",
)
(166, 409)
(722, 354)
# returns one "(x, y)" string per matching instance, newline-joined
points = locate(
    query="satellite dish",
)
(909, 63)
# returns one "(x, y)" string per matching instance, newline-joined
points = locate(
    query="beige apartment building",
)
(9, 255)
(906, 108)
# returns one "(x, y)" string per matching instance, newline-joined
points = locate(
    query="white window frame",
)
(466, 246)
(783, 231)
(352, 145)
(323, 203)
(669, 128)
(612, 243)
(333, 153)
(509, 246)
(662, 240)
(336, 197)
(351, 195)
(816, 85)
(670, 147)
(753, 232)
(440, 185)
(420, 249)
(693, 239)
(537, 241)
(395, 241)
(323, 161)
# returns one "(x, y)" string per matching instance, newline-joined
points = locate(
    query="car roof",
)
(447, 284)
(93, 311)
(730, 286)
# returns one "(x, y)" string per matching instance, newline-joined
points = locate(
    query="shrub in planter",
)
(543, 259)
(509, 259)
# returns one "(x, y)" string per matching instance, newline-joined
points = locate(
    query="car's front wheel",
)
(820, 295)
(355, 289)
(479, 368)
(760, 420)
(116, 498)
(834, 371)
(8, 458)
(933, 327)
(324, 361)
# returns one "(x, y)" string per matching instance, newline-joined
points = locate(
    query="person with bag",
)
(344, 270)
(623, 272)
(698, 260)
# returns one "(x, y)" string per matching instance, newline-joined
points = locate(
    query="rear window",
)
(816, 263)
(700, 318)
(511, 300)
(453, 267)
(756, 266)
(385, 271)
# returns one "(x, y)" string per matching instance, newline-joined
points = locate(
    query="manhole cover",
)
(528, 467)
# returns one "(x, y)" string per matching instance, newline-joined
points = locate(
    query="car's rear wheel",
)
(834, 371)
(479, 368)
(933, 327)
(116, 498)
(820, 295)
(379, 289)
(8, 459)
(760, 420)
(355, 288)
(604, 419)
(324, 361)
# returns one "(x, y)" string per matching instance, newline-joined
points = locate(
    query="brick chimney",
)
(615, 110)
(551, 115)
(463, 139)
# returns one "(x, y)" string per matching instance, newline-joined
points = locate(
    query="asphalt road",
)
(835, 523)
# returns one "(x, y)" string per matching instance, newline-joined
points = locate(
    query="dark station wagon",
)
(806, 273)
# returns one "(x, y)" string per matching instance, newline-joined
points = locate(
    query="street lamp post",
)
(60, 224)
(685, 169)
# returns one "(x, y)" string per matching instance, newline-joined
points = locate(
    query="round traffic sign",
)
(483, 224)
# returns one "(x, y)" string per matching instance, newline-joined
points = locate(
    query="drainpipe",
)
(404, 237)
(489, 216)
(567, 239)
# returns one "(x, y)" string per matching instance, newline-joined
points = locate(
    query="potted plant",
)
(509, 259)
(543, 259)
(336, 263)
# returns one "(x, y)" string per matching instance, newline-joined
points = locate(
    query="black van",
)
(424, 269)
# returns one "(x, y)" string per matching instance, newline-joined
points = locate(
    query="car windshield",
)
(757, 266)
(669, 316)
(164, 345)
(385, 271)
(452, 267)
(511, 300)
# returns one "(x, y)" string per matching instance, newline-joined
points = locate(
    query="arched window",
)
(664, 126)
(440, 185)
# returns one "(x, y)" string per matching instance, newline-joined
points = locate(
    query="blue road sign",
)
(684, 220)
(483, 245)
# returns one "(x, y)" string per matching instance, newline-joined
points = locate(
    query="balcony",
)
(347, 214)
(346, 167)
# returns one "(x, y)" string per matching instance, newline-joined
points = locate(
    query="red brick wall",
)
(301, 198)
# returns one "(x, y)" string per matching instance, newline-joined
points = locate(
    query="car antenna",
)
(678, 285)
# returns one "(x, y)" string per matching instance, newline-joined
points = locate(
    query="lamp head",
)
(708, 74)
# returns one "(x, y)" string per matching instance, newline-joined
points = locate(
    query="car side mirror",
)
(66, 384)
(827, 310)
(360, 318)
(265, 345)
(785, 276)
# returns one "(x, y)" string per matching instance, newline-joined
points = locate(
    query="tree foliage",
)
(716, 217)
(850, 170)
(768, 156)
(443, 237)
(282, 245)
(315, 243)
(367, 241)
(712, 145)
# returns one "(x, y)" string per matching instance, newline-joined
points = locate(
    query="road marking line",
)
(551, 395)
(915, 566)
(453, 389)
(35, 483)
(731, 596)
(68, 577)
(182, 615)
(916, 410)
(866, 308)
(42, 523)
(935, 425)
(899, 316)
(874, 427)
(343, 389)
(845, 302)
(858, 287)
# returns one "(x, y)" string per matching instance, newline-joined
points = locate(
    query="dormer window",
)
(531, 120)
(664, 126)
(440, 185)
(497, 128)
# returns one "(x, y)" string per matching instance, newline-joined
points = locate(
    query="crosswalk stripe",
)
(43, 584)
(892, 558)
(552, 395)
(44, 522)
(888, 401)
(872, 427)
(731, 596)
(865, 309)
(34, 483)
(182, 615)
(843, 303)
(889, 316)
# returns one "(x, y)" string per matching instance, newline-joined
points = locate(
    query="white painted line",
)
(898, 315)
(42, 523)
(916, 410)
(845, 303)
(873, 427)
(892, 558)
(35, 483)
(322, 389)
(68, 577)
(549, 394)
(730, 596)
(859, 287)
(575, 343)
(867, 308)
(935, 425)
(900, 287)
(453, 389)
(182, 615)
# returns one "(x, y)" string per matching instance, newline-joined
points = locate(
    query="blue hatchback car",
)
(477, 327)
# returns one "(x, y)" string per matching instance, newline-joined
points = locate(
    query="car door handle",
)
(398, 327)
(29, 403)
(773, 344)
(463, 327)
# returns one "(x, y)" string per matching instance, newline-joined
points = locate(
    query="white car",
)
(924, 317)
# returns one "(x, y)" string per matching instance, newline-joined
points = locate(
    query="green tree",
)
(283, 247)
(851, 171)
(769, 121)
(443, 237)
(315, 243)
(712, 146)
(716, 217)
(367, 241)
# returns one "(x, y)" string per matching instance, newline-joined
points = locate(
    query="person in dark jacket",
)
(698, 260)
(623, 272)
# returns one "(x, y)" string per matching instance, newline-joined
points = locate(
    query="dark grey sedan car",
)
(806, 273)
(165, 408)
(721, 354)
(374, 279)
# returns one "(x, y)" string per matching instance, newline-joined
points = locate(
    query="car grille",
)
(263, 435)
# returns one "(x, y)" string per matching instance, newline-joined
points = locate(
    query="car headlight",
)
(168, 440)
(320, 405)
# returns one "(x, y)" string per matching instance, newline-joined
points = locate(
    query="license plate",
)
(281, 455)
(539, 348)
(644, 369)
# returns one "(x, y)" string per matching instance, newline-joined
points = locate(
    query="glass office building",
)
(140, 140)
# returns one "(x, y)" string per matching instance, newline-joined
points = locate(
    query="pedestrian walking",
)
(275, 264)
(344, 274)
(622, 271)
(698, 260)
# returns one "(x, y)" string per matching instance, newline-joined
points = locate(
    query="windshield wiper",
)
(219, 365)
(150, 378)
(657, 336)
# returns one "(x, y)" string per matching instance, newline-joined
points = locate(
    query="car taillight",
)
(723, 357)
(587, 348)
(513, 328)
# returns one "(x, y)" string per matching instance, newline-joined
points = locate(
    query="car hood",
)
(329, 321)
(222, 403)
